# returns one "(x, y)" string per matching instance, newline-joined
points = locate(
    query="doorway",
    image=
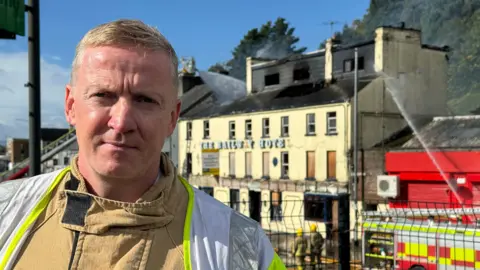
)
(189, 164)
(255, 205)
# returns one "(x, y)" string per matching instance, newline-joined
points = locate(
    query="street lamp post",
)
(355, 145)
(33, 84)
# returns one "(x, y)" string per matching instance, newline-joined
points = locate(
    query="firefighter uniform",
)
(315, 247)
(299, 249)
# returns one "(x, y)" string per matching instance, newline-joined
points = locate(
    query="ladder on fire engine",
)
(47, 152)
(422, 212)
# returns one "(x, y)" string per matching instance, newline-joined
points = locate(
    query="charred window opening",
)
(300, 74)
(272, 79)
(349, 64)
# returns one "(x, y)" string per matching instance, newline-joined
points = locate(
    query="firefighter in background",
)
(315, 246)
(299, 249)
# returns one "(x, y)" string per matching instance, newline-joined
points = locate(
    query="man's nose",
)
(122, 117)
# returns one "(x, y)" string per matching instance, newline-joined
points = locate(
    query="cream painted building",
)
(281, 154)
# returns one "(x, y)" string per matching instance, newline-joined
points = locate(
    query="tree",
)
(221, 68)
(443, 23)
(270, 41)
(465, 73)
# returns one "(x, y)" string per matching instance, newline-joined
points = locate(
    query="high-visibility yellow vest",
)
(236, 238)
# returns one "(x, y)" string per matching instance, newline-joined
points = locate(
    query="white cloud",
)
(14, 95)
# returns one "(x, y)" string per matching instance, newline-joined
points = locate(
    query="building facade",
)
(288, 144)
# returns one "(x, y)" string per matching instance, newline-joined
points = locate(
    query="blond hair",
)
(125, 32)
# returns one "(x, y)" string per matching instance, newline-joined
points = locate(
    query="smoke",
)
(271, 48)
(274, 50)
(227, 89)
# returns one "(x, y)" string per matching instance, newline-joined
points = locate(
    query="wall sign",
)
(210, 162)
(247, 144)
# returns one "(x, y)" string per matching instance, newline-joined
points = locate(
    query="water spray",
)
(394, 92)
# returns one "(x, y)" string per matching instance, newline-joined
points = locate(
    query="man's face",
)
(124, 105)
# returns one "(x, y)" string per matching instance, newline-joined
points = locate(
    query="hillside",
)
(443, 23)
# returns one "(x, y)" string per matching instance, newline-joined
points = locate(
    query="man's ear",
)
(69, 105)
(174, 116)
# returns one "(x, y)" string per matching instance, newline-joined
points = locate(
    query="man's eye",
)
(102, 94)
(145, 99)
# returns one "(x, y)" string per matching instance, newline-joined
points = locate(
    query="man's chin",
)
(116, 169)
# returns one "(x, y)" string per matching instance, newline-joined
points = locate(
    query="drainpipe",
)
(355, 146)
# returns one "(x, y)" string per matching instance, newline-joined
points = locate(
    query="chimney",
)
(186, 82)
(397, 50)
(329, 60)
(248, 77)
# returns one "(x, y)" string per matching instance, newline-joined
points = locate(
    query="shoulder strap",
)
(22, 209)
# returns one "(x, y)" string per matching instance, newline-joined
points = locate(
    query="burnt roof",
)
(476, 111)
(194, 97)
(294, 96)
(290, 58)
(453, 132)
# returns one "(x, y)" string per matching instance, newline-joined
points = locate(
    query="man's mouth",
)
(120, 145)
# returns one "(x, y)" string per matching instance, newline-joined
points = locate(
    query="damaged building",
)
(284, 149)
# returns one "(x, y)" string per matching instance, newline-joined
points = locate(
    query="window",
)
(66, 160)
(189, 130)
(266, 164)
(265, 127)
(349, 64)
(284, 122)
(206, 129)
(231, 164)
(284, 162)
(275, 206)
(310, 165)
(331, 123)
(248, 164)
(331, 165)
(235, 199)
(231, 130)
(248, 129)
(317, 208)
(301, 74)
(310, 124)
(208, 190)
(272, 79)
(188, 167)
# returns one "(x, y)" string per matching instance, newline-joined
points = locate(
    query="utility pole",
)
(33, 85)
(355, 145)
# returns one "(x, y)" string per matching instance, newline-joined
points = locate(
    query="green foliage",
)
(453, 23)
(272, 41)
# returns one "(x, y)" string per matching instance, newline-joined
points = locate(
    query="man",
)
(299, 247)
(316, 244)
(120, 204)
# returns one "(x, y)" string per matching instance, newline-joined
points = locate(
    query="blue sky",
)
(207, 30)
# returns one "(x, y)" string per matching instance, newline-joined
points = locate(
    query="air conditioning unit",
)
(388, 186)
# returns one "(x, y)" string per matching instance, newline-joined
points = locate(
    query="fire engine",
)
(421, 239)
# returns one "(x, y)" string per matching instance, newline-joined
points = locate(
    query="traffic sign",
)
(12, 16)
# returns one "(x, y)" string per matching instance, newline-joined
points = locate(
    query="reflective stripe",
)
(186, 226)
(276, 263)
(214, 237)
(420, 228)
(20, 234)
